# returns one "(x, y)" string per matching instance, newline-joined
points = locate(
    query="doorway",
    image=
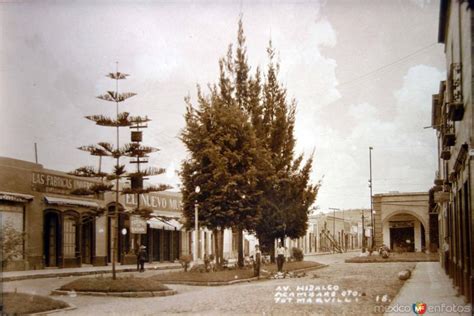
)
(51, 239)
(402, 239)
(87, 239)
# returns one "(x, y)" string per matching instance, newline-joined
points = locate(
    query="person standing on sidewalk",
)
(446, 254)
(258, 260)
(280, 256)
(142, 256)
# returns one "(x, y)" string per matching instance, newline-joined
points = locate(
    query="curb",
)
(213, 283)
(317, 254)
(70, 308)
(390, 261)
(137, 294)
(311, 268)
(78, 273)
(394, 299)
(222, 283)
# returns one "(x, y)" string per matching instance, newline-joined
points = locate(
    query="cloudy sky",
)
(362, 72)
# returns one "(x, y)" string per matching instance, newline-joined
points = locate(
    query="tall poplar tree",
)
(221, 143)
(275, 184)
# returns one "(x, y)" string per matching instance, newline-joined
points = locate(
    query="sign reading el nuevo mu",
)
(156, 201)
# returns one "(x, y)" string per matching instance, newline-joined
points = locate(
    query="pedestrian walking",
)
(446, 254)
(142, 257)
(257, 261)
(280, 256)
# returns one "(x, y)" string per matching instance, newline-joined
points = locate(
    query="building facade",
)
(452, 118)
(64, 230)
(323, 227)
(402, 221)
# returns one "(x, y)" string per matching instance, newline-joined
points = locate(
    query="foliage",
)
(11, 242)
(229, 275)
(297, 254)
(107, 284)
(21, 304)
(240, 137)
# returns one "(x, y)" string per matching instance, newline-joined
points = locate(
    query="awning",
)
(15, 197)
(175, 223)
(70, 202)
(157, 223)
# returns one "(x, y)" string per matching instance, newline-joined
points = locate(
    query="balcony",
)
(445, 154)
(449, 139)
(455, 111)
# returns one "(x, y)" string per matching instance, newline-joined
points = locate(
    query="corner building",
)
(63, 230)
(452, 118)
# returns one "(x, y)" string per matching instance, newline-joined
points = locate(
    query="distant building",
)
(452, 118)
(402, 221)
(346, 231)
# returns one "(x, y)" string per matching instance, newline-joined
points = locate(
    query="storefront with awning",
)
(66, 230)
(164, 235)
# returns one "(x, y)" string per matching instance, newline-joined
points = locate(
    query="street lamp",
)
(124, 232)
(196, 227)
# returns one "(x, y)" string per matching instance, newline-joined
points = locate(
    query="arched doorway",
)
(404, 232)
(52, 238)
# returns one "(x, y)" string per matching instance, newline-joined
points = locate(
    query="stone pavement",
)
(430, 285)
(87, 270)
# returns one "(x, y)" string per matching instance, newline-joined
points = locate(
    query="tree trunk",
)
(215, 234)
(272, 252)
(240, 261)
(221, 245)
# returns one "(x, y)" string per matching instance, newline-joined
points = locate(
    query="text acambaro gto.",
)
(315, 294)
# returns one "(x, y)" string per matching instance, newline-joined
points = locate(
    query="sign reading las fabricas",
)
(44, 182)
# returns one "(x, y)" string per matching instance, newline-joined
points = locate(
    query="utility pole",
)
(334, 221)
(371, 204)
(363, 232)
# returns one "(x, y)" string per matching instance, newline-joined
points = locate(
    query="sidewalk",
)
(430, 285)
(56, 272)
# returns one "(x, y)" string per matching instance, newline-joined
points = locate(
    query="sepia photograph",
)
(236, 157)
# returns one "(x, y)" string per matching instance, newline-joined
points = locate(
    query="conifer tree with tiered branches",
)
(134, 150)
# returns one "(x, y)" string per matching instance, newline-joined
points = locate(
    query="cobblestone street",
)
(246, 298)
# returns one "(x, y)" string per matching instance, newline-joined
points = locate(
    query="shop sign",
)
(368, 232)
(441, 197)
(401, 224)
(155, 201)
(49, 183)
(137, 224)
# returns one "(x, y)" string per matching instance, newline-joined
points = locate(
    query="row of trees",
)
(240, 137)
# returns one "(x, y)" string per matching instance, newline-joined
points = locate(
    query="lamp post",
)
(196, 226)
(371, 204)
(124, 233)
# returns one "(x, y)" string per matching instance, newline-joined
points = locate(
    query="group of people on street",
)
(280, 258)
